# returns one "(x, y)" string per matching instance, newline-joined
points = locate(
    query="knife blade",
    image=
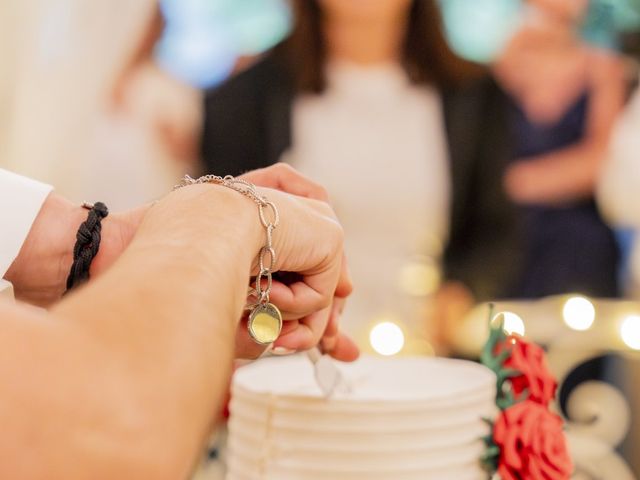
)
(327, 374)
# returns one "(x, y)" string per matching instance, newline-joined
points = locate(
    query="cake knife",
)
(328, 376)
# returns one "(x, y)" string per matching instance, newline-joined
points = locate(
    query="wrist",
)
(236, 224)
(201, 234)
(40, 270)
(201, 222)
(117, 233)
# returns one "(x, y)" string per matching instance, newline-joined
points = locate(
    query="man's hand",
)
(40, 271)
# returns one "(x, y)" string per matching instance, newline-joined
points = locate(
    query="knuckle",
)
(284, 168)
(338, 234)
(308, 343)
(316, 337)
(321, 301)
(325, 300)
(332, 243)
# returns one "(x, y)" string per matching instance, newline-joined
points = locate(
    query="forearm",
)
(174, 340)
(152, 339)
(563, 176)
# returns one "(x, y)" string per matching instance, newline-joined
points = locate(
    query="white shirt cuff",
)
(20, 201)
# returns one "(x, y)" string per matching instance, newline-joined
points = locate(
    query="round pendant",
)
(265, 324)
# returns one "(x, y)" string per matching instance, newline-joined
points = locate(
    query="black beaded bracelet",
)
(87, 244)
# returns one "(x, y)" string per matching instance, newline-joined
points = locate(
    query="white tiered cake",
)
(405, 419)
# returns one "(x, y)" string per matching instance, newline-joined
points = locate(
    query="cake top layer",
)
(372, 379)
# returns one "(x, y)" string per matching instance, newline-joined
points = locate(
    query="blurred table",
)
(213, 470)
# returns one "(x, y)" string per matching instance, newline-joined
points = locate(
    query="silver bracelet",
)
(265, 319)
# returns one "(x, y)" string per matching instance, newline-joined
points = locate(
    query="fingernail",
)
(282, 351)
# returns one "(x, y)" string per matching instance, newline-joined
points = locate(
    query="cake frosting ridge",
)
(405, 418)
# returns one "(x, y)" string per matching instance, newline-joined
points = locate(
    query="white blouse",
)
(377, 143)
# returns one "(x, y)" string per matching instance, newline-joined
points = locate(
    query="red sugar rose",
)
(532, 444)
(529, 359)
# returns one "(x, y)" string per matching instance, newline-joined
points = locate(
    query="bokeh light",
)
(630, 331)
(626, 13)
(197, 56)
(513, 324)
(479, 30)
(579, 313)
(387, 338)
(420, 278)
(204, 38)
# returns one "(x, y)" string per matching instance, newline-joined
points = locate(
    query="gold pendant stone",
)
(265, 324)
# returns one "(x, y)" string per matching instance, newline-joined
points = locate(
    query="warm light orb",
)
(630, 331)
(387, 338)
(579, 313)
(513, 324)
(420, 278)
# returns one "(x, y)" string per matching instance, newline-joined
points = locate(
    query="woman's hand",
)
(333, 342)
(285, 178)
(308, 244)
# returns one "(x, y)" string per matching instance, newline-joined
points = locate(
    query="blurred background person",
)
(147, 129)
(619, 186)
(109, 124)
(368, 98)
(564, 97)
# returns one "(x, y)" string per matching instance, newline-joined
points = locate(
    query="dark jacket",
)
(248, 125)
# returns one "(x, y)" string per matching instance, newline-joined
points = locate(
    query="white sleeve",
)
(20, 201)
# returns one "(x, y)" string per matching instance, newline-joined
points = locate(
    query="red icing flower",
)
(532, 444)
(529, 359)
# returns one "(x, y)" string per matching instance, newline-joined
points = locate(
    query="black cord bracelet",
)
(87, 244)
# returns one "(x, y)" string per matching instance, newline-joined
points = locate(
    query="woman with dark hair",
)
(368, 98)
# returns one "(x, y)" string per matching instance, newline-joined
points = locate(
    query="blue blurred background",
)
(205, 38)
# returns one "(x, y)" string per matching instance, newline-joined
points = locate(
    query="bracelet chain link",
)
(269, 219)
